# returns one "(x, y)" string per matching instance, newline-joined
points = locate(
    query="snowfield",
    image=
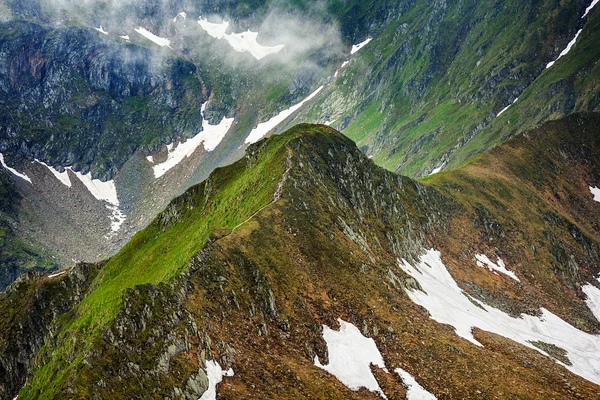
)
(572, 42)
(101, 30)
(210, 136)
(61, 176)
(596, 192)
(414, 391)
(593, 299)
(215, 375)
(350, 357)
(162, 42)
(265, 127)
(359, 46)
(12, 170)
(240, 42)
(484, 262)
(448, 304)
(104, 191)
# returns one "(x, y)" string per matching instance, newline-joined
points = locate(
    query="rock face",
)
(246, 268)
(71, 98)
(31, 308)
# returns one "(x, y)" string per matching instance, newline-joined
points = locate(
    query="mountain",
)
(251, 282)
(430, 90)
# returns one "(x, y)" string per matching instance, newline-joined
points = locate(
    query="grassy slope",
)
(162, 250)
(435, 74)
(327, 252)
(528, 202)
(570, 85)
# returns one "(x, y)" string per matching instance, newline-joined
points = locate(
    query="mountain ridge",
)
(256, 296)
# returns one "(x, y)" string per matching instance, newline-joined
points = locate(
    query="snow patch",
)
(448, 304)
(350, 357)
(593, 299)
(240, 42)
(572, 42)
(587, 10)
(415, 391)
(499, 266)
(117, 217)
(57, 274)
(344, 64)
(265, 127)
(104, 191)
(101, 30)
(12, 170)
(150, 159)
(162, 42)
(61, 176)
(126, 37)
(566, 50)
(215, 30)
(437, 169)
(596, 192)
(359, 46)
(181, 14)
(507, 107)
(215, 375)
(210, 136)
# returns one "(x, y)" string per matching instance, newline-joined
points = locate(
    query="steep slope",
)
(16, 256)
(251, 269)
(425, 92)
(149, 97)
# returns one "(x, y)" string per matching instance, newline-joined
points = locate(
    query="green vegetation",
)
(161, 251)
(429, 85)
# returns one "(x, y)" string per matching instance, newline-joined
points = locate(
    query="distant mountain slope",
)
(425, 92)
(250, 269)
(126, 89)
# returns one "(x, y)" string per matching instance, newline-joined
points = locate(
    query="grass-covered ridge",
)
(161, 251)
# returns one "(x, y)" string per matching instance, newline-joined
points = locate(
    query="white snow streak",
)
(126, 37)
(447, 304)
(484, 262)
(572, 42)
(507, 107)
(215, 375)
(566, 50)
(265, 127)
(210, 136)
(359, 46)
(593, 299)
(162, 42)
(415, 391)
(12, 170)
(587, 10)
(240, 42)
(596, 192)
(150, 159)
(350, 357)
(57, 274)
(61, 176)
(101, 30)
